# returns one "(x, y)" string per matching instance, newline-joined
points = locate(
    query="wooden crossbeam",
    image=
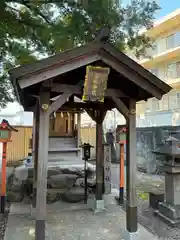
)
(59, 88)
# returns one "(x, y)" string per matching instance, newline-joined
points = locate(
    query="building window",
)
(172, 100)
(177, 39)
(149, 105)
(178, 69)
(171, 70)
(155, 104)
(140, 107)
(170, 42)
(161, 45)
(162, 74)
(178, 99)
(164, 103)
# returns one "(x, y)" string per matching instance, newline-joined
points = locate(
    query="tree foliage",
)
(34, 29)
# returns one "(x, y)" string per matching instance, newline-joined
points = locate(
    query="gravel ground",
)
(145, 183)
(155, 225)
(3, 223)
(146, 215)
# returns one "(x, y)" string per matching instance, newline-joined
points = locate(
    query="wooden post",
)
(99, 161)
(42, 165)
(131, 218)
(35, 152)
(98, 116)
(78, 131)
(3, 175)
(121, 177)
(107, 168)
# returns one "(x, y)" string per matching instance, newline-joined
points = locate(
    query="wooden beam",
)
(59, 102)
(86, 106)
(97, 115)
(131, 217)
(133, 76)
(66, 88)
(56, 70)
(43, 146)
(115, 92)
(121, 107)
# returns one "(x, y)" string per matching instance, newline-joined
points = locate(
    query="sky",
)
(167, 6)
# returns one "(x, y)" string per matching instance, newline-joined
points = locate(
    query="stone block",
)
(99, 206)
(155, 198)
(169, 210)
(62, 180)
(169, 213)
(73, 195)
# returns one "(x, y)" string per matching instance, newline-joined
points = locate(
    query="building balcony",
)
(157, 59)
(174, 83)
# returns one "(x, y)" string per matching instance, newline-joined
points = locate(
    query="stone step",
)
(62, 142)
(68, 149)
(62, 155)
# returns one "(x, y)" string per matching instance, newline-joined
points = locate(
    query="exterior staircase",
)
(63, 148)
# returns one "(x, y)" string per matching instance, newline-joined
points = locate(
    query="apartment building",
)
(164, 62)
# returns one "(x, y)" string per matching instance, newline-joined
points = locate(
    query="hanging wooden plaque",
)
(95, 83)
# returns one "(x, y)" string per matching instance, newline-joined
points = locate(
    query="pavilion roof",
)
(69, 67)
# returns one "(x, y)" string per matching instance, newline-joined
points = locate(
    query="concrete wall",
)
(148, 139)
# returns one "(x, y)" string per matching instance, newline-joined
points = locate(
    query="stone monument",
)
(169, 209)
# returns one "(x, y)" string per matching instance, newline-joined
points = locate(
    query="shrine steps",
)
(63, 148)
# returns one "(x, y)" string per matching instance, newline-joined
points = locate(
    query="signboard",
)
(95, 83)
(107, 169)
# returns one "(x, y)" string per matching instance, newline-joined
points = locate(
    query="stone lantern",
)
(169, 210)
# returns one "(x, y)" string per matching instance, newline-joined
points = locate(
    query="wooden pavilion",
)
(63, 75)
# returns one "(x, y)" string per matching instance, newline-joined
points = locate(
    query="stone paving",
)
(75, 222)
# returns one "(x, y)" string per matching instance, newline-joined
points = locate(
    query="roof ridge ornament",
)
(103, 34)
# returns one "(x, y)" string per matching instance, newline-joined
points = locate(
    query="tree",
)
(30, 30)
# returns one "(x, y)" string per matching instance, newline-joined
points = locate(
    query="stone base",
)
(130, 236)
(99, 206)
(169, 213)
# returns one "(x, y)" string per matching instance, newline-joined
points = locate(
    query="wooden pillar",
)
(78, 129)
(72, 123)
(131, 218)
(99, 161)
(3, 178)
(121, 177)
(42, 165)
(35, 151)
(99, 117)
